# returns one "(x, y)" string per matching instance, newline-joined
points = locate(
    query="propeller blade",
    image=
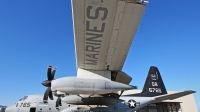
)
(49, 72)
(47, 83)
(53, 73)
(58, 102)
(50, 94)
(46, 94)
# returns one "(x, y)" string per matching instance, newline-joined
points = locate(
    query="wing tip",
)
(190, 91)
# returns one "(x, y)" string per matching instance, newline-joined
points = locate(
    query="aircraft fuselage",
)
(34, 103)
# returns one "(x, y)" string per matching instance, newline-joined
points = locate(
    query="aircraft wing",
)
(104, 31)
(173, 96)
(160, 98)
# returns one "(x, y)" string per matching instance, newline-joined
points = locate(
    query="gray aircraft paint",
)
(75, 85)
(122, 104)
(36, 101)
(91, 100)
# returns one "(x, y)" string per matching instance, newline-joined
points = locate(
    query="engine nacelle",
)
(75, 85)
(90, 100)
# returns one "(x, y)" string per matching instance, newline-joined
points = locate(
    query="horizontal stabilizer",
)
(173, 96)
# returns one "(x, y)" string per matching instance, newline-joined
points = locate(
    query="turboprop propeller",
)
(47, 83)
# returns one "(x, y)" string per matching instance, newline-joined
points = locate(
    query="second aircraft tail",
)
(153, 86)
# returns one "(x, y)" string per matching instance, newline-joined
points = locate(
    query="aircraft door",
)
(32, 109)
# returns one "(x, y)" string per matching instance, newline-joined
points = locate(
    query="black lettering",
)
(24, 105)
(95, 28)
(93, 43)
(105, 10)
(21, 104)
(93, 62)
(94, 38)
(91, 48)
(28, 104)
(92, 56)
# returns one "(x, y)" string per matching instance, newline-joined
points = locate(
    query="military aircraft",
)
(154, 91)
(103, 33)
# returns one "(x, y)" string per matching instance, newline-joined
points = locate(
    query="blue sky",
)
(35, 34)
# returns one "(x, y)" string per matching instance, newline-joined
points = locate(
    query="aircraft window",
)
(22, 99)
(40, 108)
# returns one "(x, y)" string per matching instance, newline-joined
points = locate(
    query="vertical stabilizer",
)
(154, 85)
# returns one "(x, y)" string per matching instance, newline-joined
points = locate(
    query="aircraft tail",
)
(154, 85)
